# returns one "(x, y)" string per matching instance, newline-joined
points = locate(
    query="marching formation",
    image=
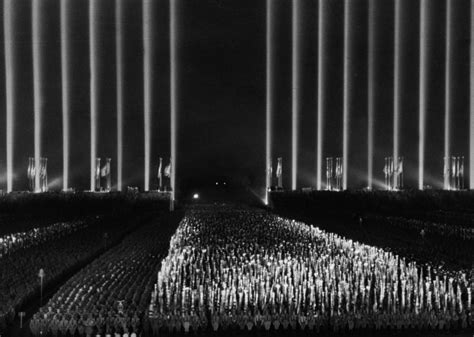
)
(110, 295)
(464, 233)
(62, 252)
(247, 269)
(35, 236)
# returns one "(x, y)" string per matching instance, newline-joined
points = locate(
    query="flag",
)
(453, 167)
(105, 171)
(159, 169)
(32, 169)
(168, 170)
(446, 166)
(279, 169)
(97, 169)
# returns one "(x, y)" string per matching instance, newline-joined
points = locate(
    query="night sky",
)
(221, 123)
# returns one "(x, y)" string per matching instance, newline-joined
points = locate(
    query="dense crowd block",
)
(60, 253)
(112, 294)
(238, 268)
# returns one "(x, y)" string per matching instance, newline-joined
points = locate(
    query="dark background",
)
(221, 123)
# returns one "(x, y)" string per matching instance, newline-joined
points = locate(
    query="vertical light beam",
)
(269, 93)
(295, 105)
(321, 92)
(370, 92)
(396, 81)
(423, 85)
(65, 83)
(471, 138)
(37, 82)
(10, 82)
(119, 74)
(93, 60)
(173, 92)
(147, 77)
(347, 90)
(447, 97)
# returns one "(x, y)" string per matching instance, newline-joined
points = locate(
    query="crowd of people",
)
(12, 242)
(440, 244)
(112, 294)
(238, 268)
(426, 227)
(374, 201)
(464, 219)
(19, 270)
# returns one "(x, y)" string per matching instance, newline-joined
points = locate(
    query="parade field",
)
(244, 269)
(132, 268)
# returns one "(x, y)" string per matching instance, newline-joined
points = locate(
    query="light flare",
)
(173, 94)
(94, 69)
(295, 92)
(321, 92)
(447, 97)
(38, 72)
(65, 86)
(347, 89)
(147, 87)
(10, 82)
(471, 138)
(423, 91)
(120, 92)
(371, 92)
(269, 93)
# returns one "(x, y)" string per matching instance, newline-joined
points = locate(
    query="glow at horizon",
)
(65, 83)
(295, 93)
(371, 92)
(396, 82)
(10, 82)
(173, 91)
(147, 78)
(321, 94)
(93, 55)
(471, 138)
(447, 98)
(119, 64)
(423, 78)
(347, 91)
(37, 83)
(269, 92)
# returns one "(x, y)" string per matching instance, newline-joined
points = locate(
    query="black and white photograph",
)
(234, 168)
